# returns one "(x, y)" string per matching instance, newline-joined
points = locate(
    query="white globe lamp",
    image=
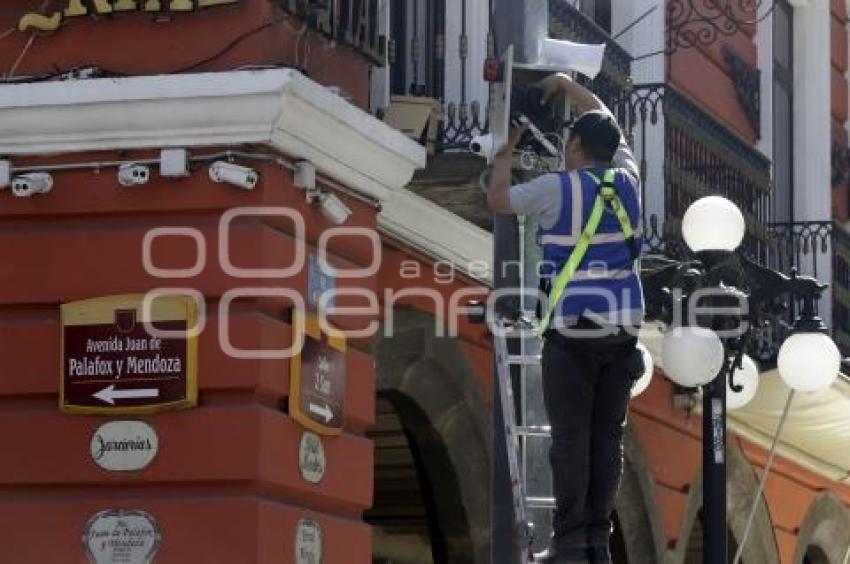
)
(643, 382)
(691, 356)
(809, 362)
(747, 378)
(713, 223)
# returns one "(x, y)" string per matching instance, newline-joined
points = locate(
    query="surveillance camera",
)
(239, 176)
(334, 209)
(133, 174)
(482, 145)
(30, 184)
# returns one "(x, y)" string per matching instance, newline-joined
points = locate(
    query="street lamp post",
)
(708, 349)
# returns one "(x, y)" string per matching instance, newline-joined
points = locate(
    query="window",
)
(783, 111)
(418, 47)
(599, 11)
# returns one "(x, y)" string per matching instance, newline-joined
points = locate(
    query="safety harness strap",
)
(606, 194)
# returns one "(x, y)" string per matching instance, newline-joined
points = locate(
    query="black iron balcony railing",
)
(841, 289)
(417, 59)
(418, 64)
(701, 157)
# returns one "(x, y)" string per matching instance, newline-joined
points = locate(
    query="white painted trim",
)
(280, 108)
(764, 49)
(438, 234)
(813, 126)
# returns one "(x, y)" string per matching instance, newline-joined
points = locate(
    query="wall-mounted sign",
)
(353, 22)
(311, 457)
(123, 446)
(317, 378)
(308, 542)
(318, 282)
(121, 536)
(76, 8)
(111, 364)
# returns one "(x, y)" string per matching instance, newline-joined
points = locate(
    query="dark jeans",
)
(586, 387)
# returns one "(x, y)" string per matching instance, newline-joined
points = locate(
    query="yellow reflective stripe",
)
(573, 262)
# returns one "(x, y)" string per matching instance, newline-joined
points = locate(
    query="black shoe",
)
(552, 556)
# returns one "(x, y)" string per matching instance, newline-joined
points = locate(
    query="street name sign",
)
(111, 364)
(121, 536)
(317, 377)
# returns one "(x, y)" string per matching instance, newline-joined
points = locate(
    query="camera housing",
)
(483, 145)
(334, 209)
(133, 174)
(32, 183)
(233, 174)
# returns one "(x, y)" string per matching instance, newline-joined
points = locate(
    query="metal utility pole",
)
(714, 469)
(517, 23)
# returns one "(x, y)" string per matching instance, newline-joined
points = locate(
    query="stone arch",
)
(638, 514)
(431, 385)
(827, 527)
(742, 484)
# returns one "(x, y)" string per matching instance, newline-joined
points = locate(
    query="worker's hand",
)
(517, 131)
(515, 134)
(554, 84)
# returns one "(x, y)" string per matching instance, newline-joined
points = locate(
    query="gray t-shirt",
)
(541, 198)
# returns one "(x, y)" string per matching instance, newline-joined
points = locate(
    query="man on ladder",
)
(589, 220)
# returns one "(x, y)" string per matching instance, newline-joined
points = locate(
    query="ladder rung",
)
(540, 502)
(534, 431)
(521, 333)
(524, 359)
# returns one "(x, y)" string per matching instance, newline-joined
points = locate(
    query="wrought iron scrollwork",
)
(747, 81)
(460, 123)
(691, 23)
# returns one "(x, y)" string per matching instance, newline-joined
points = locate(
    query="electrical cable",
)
(233, 43)
(209, 157)
(767, 467)
(28, 45)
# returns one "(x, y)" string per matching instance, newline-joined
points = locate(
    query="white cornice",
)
(439, 234)
(278, 107)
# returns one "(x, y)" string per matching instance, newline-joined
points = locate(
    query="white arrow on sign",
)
(322, 411)
(109, 394)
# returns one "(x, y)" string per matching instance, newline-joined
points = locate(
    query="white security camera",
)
(133, 174)
(482, 145)
(32, 183)
(235, 175)
(334, 209)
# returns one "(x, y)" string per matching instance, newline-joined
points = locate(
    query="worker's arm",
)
(498, 194)
(584, 100)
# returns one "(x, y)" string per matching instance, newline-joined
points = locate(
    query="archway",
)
(815, 555)
(638, 517)
(432, 449)
(742, 484)
(696, 539)
(824, 537)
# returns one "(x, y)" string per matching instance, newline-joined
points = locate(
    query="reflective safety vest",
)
(591, 254)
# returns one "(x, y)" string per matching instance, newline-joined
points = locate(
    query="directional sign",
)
(317, 377)
(111, 363)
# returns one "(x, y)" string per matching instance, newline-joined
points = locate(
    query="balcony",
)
(702, 157)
